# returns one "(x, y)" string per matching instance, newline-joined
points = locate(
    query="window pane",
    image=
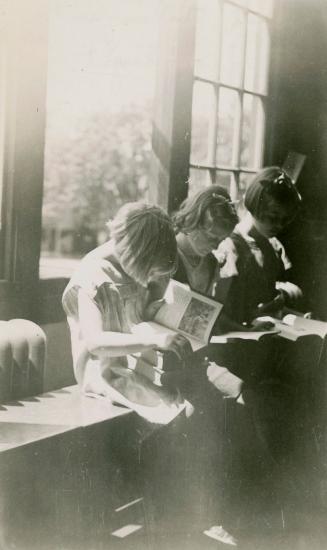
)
(199, 179)
(207, 39)
(245, 180)
(262, 6)
(224, 179)
(203, 119)
(232, 45)
(257, 55)
(228, 128)
(98, 134)
(252, 132)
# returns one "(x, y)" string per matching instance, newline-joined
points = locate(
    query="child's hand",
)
(292, 293)
(262, 324)
(162, 340)
(177, 343)
(274, 306)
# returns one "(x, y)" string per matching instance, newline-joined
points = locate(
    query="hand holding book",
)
(183, 312)
(164, 339)
(260, 325)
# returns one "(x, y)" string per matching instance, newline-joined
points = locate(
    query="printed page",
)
(293, 327)
(188, 312)
(177, 297)
(150, 327)
(310, 326)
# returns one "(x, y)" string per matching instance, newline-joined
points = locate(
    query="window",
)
(229, 92)
(101, 76)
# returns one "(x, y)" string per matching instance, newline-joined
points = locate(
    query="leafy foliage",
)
(88, 176)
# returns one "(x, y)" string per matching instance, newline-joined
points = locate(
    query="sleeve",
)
(227, 270)
(281, 254)
(89, 278)
(229, 281)
(226, 256)
(291, 292)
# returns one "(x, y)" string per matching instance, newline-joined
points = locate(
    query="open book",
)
(290, 327)
(185, 312)
(242, 335)
(293, 327)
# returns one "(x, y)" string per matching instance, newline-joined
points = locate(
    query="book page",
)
(188, 312)
(151, 327)
(240, 335)
(310, 326)
(285, 331)
(293, 327)
(176, 299)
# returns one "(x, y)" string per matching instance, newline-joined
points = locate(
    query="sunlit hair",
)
(272, 183)
(144, 240)
(214, 200)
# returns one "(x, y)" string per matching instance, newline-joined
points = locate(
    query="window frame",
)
(236, 169)
(25, 74)
(22, 293)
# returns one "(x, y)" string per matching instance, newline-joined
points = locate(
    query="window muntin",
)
(228, 130)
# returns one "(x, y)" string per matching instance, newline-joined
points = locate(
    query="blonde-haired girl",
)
(108, 294)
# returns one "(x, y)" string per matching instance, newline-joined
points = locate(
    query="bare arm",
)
(116, 344)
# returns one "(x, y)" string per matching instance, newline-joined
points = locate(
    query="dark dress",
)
(248, 440)
(252, 265)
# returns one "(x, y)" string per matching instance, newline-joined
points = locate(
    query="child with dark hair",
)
(253, 275)
(252, 279)
(253, 282)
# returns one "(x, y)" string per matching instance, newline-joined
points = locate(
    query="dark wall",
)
(298, 122)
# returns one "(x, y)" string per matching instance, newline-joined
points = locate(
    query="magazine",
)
(186, 312)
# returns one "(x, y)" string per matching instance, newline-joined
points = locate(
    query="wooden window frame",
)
(22, 293)
(235, 168)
